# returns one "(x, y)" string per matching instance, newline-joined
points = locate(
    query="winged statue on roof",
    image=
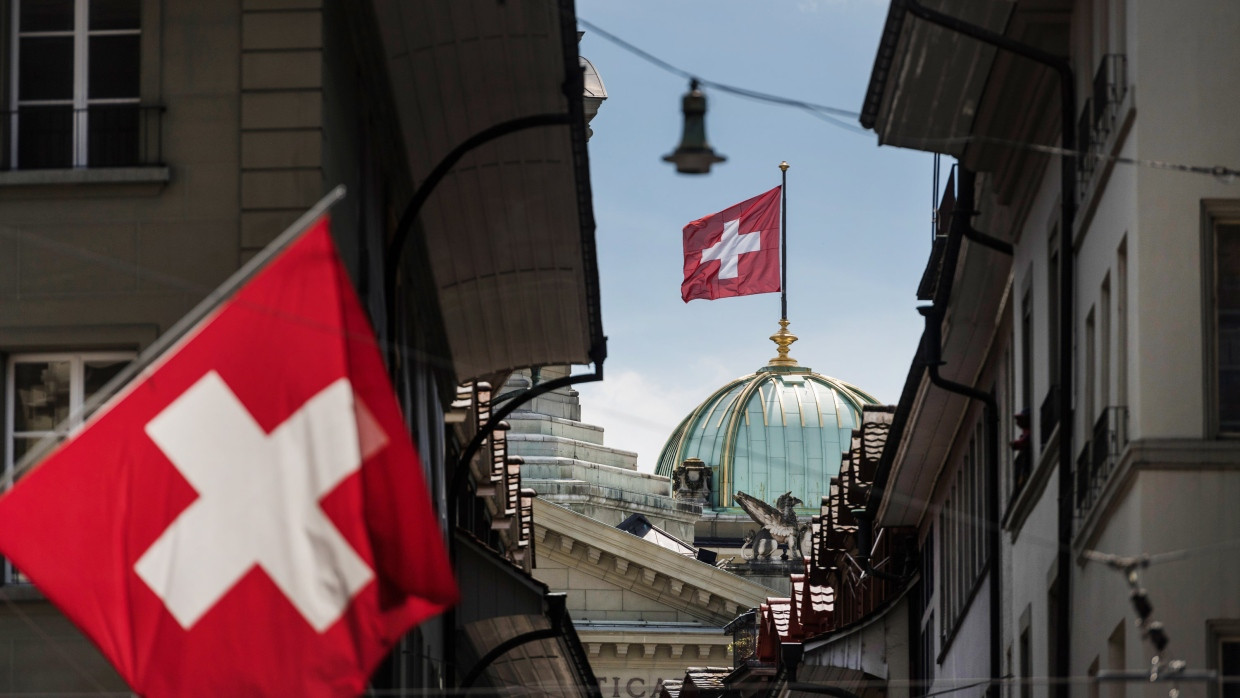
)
(779, 525)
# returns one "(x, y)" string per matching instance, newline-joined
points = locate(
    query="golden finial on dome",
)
(783, 339)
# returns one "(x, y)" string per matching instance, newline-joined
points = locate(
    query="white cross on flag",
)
(734, 252)
(248, 516)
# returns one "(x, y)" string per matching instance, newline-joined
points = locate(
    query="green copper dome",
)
(782, 428)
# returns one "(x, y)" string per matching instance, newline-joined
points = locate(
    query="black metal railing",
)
(1086, 144)
(61, 137)
(1110, 88)
(1082, 478)
(1099, 115)
(1100, 456)
(1022, 468)
(1048, 414)
(744, 630)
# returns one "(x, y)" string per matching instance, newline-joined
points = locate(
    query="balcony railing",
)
(1110, 88)
(1086, 146)
(1022, 468)
(1048, 414)
(744, 630)
(1100, 456)
(1099, 115)
(1083, 490)
(61, 137)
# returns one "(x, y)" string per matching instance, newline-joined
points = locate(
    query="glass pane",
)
(1229, 668)
(1227, 317)
(1229, 267)
(114, 14)
(113, 66)
(46, 15)
(44, 137)
(98, 373)
(41, 390)
(46, 68)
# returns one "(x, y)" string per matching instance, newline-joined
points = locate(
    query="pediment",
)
(616, 560)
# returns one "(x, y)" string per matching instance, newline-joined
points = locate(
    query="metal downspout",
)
(1067, 276)
(931, 356)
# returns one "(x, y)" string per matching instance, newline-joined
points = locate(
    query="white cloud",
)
(638, 414)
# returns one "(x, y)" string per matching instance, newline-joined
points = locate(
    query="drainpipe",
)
(1067, 276)
(931, 357)
(962, 225)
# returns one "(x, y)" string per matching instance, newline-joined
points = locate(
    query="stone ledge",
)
(556, 446)
(157, 175)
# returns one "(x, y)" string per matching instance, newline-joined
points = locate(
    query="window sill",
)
(20, 592)
(137, 177)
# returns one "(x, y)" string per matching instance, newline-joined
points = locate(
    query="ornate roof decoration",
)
(833, 591)
(782, 428)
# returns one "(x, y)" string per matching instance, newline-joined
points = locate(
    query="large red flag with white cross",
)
(734, 252)
(248, 516)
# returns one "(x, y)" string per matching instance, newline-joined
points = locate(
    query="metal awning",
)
(937, 90)
(856, 659)
(508, 233)
(501, 609)
(927, 82)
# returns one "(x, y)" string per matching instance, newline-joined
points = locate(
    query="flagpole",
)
(178, 330)
(783, 338)
(783, 241)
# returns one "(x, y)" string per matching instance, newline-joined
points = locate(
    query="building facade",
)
(1068, 409)
(151, 147)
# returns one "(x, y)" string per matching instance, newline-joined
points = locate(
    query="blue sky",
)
(858, 215)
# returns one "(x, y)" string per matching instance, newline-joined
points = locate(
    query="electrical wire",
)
(827, 113)
(1226, 174)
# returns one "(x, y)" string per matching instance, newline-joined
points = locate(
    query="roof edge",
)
(882, 64)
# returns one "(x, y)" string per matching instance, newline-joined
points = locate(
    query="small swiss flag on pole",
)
(734, 252)
(248, 516)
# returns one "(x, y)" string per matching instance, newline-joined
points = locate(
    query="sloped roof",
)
(508, 233)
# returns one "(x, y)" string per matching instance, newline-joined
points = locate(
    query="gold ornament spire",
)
(783, 339)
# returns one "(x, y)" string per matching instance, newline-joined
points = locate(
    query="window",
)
(923, 656)
(1227, 325)
(1052, 308)
(1116, 661)
(962, 534)
(44, 395)
(74, 75)
(1026, 658)
(1104, 345)
(1048, 413)
(1091, 373)
(1121, 323)
(1052, 628)
(1229, 667)
(1026, 351)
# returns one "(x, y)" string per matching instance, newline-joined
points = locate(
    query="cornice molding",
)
(620, 558)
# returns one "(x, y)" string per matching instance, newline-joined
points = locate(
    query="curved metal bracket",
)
(394, 252)
(503, 648)
(559, 618)
(497, 416)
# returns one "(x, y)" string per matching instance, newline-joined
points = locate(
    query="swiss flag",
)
(734, 252)
(247, 517)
